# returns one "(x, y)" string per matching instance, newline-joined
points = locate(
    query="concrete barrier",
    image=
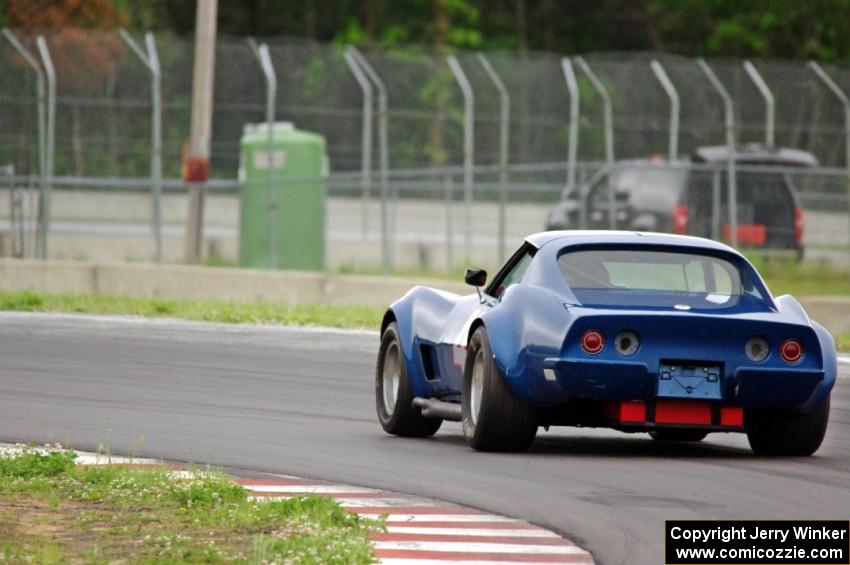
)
(207, 283)
(212, 283)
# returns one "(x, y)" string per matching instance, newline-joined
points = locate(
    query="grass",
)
(53, 511)
(205, 310)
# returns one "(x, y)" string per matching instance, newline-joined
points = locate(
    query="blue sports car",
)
(641, 332)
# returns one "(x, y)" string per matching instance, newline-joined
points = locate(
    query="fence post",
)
(29, 59)
(151, 61)
(730, 149)
(156, 134)
(468, 145)
(504, 146)
(842, 97)
(383, 153)
(715, 204)
(572, 148)
(50, 138)
(670, 90)
(608, 124)
(769, 102)
(17, 213)
(261, 52)
(448, 188)
(366, 138)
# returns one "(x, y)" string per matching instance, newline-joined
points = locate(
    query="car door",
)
(452, 347)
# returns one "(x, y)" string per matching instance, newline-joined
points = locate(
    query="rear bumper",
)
(565, 379)
(678, 414)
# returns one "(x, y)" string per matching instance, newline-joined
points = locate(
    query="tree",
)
(78, 60)
(85, 63)
(775, 28)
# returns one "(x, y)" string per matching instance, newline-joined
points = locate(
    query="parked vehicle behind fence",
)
(691, 197)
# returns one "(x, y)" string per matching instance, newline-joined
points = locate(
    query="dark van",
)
(690, 197)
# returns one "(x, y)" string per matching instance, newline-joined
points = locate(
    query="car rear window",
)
(630, 277)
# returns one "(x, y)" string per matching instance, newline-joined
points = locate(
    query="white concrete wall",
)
(178, 281)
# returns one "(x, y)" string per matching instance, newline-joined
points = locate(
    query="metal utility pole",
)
(468, 145)
(504, 144)
(608, 124)
(769, 102)
(670, 90)
(150, 60)
(730, 149)
(845, 102)
(196, 162)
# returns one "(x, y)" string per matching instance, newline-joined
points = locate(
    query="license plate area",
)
(689, 380)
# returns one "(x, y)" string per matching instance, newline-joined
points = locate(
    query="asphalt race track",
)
(302, 402)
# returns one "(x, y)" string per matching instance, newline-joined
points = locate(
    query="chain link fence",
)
(446, 185)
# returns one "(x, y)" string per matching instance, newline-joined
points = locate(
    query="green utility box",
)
(282, 224)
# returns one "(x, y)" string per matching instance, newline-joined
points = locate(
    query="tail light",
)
(798, 225)
(680, 219)
(791, 351)
(626, 343)
(757, 349)
(592, 342)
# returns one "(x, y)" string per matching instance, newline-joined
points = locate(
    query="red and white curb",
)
(422, 531)
(419, 531)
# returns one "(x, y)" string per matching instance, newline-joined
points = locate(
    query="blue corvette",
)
(672, 335)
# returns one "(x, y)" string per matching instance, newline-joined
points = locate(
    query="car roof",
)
(758, 153)
(578, 237)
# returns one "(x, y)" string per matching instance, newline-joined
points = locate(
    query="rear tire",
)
(393, 393)
(678, 435)
(775, 432)
(494, 419)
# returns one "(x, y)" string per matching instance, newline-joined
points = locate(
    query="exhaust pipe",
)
(433, 408)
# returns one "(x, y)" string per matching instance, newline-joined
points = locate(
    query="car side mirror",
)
(475, 277)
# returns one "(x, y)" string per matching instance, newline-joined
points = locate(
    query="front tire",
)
(775, 432)
(494, 419)
(394, 394)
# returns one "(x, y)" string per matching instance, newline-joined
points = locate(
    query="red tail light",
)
(592, 341)
(798, 225)
(680, 219)
(791, 351)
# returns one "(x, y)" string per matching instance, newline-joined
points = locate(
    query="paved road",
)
(301, 402)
